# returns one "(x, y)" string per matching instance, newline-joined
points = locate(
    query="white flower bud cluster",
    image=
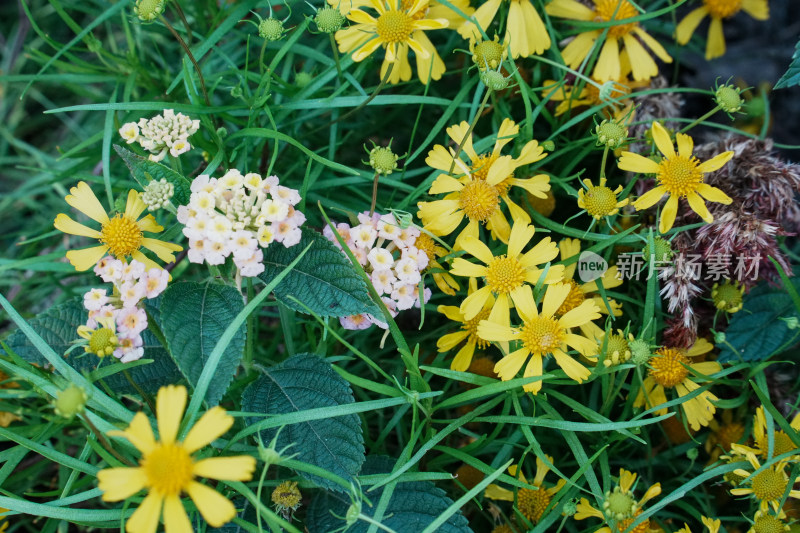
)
(122, 312)
(161, 134)
(157, 194)
(235, 215)
(387, 252)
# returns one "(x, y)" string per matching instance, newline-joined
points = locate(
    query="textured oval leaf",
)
(305, 381)
(756, 331)
(193, 318)
(791, 77)
(324, 279)
(144, 171)
(58, 327)
(412, 507)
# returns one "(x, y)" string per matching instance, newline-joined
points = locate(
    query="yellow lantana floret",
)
(680, 175)
(121, 235)
(167, 468)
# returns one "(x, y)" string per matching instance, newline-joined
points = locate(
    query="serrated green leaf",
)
(306, 381)
(144, 171)
(193, 318)
(413, 506)
(324, 280)
(58, 327)
(757, 331)
(792, 76)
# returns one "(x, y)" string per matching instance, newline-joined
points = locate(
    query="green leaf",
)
(324, 280)
(302, 382)
(792, 76)
(757, 331)
(144, 171)
(412, 507)
(58, 327)
(193, 318)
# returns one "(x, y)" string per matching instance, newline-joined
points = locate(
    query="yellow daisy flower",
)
(724, 434)
(579, 292)
(468, 331)
(600, 201)
(525, 34)
(670, 368)
(477, 189)
(767, 486)
(505, 275)
(121, 236)
(620, 505)
(718, 10)
(531, 503)
(397, 29)
(542, 334)
(766, 522)
(781, 442)
(167, 468)
(609, 64)
(678, 174)
(435, 10)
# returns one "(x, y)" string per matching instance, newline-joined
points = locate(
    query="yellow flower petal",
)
(135, 206)
(637, 163)
(495, 492)
(458, 134)
(585, 510)
(508, 367)
(689, 24)
(758, 9)
(577, 50)
(544, 251)
(175, 518)
(572, 368)
(533, 369)
(642, 65)
(120, 483)
(149, 224)
(534, 29)
(668, 214)
(451, 340)
(524, 302)
(715, 163)
(86, 258)
(492, 331)
(483, 16)
(521, 235)
(501, 169)
(518, 215)
(654, 45)
(361, 17)
(148, 263)
(439, 158)
(650, 198)
(537, 185)
(662, 140)
(237, 468)
(715, 47)
(170, 404)
(608, 62)
(477, 249)
(83, 199)
(67, 225)
(585, 312)
(569, 9)
(451, 312)
(211, 426)
(463, 268)
(463, 358)
(473, 303)
(367, 49)
(145, 519)
(215, 508)
(685, 145)
(584, 345)
(139, 433)
(164, 250)
(699, 206)
(712, 194)
(531, 153)
(554, 297)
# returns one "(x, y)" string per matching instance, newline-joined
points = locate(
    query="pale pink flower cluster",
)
(123, 309)
(387, 252)
(237, 215)
(161, 134)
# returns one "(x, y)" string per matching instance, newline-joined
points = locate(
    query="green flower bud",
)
(487, 54)
(662, 250)
(70, 401)
(611, 134)
(383, 160)
(149, 10)
(728, 296)
(640, 351)
(270, 29)
(494, 80)
(329, 19)
(729, 98)
(302, 79)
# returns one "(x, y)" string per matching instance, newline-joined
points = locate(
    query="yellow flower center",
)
(721, 9)
(472, 327)
(667, 367)
(600, 201)
(729, 434)
(768, 523)
(504, 274)
(643, 527)
(532, 503)
(479, 200)
(782, 444)
(287, 495)
(121, 235)
(394, 26)
(608, 10)
(480, 171)
(426, 244)
(542, 335)
(617, 350)
(769, 485)
(103, 342)
(619, 504)
(573, 299)
(169, 469)
(679, 174)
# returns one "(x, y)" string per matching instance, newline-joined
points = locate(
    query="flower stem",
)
(699, 120)
(603, 164)
(104, 443)
(374, 193)
(335, 56)
(469, 130)
(191, 58)
(142, 393)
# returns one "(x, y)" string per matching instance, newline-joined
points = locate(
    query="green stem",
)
(142, 393)
(335, 56)
(603, 164)
(104, 443)
(469, 130)
(191, 58)
(374, 193)
(699, 120)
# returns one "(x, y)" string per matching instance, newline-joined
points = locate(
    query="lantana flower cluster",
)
(169, 132)
(394, 264)
(117, 320)
(237, 215)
